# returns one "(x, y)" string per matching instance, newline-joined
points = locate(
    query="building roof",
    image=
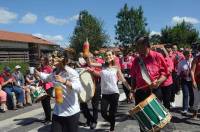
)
(21, 37)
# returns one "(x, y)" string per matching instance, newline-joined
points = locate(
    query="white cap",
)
(17, 67)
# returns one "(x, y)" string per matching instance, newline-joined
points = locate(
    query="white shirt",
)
(70, 105)
(184, 66)
(109, 81)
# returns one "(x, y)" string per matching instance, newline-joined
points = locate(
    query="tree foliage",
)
(131, 24)
(88, 27)
(182, 34)
(155, 39)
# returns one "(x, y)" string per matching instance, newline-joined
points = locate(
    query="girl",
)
(109, 89)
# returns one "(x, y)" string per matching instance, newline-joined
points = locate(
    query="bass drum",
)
(87, 83)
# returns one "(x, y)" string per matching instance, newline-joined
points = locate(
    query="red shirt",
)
(197, 70)
(47, 69)
(170, 66)
(1, 80)
(155, 64)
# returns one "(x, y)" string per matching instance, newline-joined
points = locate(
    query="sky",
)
(55, 20)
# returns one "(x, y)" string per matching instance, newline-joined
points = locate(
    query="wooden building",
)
(23, 47)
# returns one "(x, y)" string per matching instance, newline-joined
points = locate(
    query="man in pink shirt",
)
(156, 71)
(156, 68)
(167, 85)
(176, 58)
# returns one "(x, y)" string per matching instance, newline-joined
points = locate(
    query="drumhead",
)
(88, 85)
(142, 104)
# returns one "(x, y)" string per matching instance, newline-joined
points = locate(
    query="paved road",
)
(29, 120)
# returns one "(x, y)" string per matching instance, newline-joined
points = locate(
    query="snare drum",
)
(151, 114)
(38, 94)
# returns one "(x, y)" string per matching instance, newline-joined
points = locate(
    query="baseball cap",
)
(17, 67)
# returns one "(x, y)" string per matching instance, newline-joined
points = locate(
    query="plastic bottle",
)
(58, 94)
(86, 49)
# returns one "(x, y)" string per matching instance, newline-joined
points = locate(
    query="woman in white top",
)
(109, 89)
(66, 114)
(184, 73)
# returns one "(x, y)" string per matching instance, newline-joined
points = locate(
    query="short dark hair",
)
(143, 40)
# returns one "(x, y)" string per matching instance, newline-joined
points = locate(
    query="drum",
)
(38, 94)
(151, 115)
(87, 83)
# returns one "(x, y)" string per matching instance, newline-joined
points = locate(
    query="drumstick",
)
(142, 87)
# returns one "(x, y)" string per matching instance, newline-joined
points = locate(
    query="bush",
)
(24, 66)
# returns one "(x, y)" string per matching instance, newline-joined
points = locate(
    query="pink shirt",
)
(117, 62)
(155, 64)
(127, 63)
(170, 66)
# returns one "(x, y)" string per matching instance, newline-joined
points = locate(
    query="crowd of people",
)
(164, 71)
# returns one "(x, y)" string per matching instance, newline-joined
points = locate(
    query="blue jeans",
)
(19, 94)
(188, 95)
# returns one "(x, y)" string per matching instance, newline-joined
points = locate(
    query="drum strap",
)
(144, 71)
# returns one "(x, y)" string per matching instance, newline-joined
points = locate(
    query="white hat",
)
(17, 67)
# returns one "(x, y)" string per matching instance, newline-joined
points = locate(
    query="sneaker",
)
(93, 125)
(184, 111)
(20, 106)
(47, 122)
(87, 123)
(173, 105)
(2, 111)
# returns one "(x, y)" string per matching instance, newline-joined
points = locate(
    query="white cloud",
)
(29, 18)
(74, 18)
(177, 19)
(60, 21)
(56, 38)
(154, 33)
(54, 20)
(6, 16)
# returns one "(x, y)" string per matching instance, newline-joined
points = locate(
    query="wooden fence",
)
(13, 56)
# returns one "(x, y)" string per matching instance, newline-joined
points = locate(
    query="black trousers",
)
(166, 94)
(95, 105)
(175, 87)
(46, 105)
(65, 124)
(141, 95)
(111, 101)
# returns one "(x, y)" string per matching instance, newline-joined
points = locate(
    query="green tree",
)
(182, 34)
(131, 24)
(88, 27)
(155, 39)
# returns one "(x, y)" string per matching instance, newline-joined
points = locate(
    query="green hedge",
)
(24, 66)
